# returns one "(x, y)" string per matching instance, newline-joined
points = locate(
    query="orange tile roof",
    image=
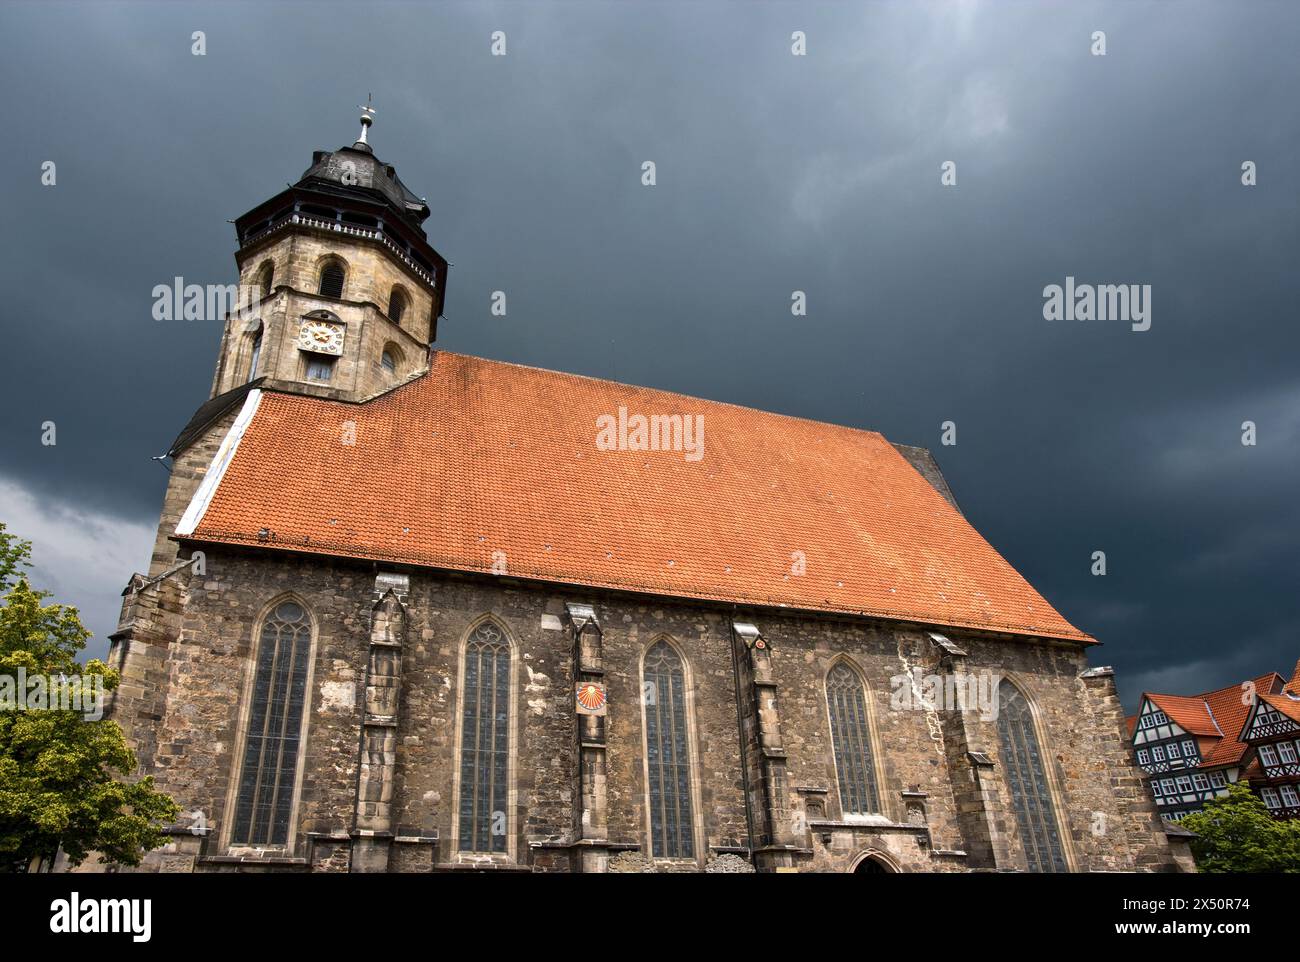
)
(1293, 686)
(1189, 712)
(481, 456)
(1216, 715)
(1287, 706)
(1132, 722)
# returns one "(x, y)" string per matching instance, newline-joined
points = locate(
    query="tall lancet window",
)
(667, 756)
(1022, 766)
(256, 355)
(267, 778)
(851, 740)
(485, 741)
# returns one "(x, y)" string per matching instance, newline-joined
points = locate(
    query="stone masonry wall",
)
(918, 829)
(188, 471)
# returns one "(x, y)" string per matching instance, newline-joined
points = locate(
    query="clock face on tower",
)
(321, 336)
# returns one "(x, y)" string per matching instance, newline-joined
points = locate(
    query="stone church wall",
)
(931, 791)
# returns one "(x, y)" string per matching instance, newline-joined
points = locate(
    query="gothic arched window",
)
(851, 741)
(667, 756)
(485, 741)
(275, 728)
(1022, 766)
(332, 276)
(264, 278)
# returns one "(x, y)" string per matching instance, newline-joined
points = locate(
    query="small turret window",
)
(396, 305)
(331, 280)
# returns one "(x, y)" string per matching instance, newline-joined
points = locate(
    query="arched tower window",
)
(396, 305)
(672, 830)
(332, 276)
(255, 355)
(273, 736)
(1022, 766)
(264, 278)
(851, 741)
(390, 358)
(485, 741)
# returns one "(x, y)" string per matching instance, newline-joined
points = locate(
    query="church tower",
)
(340, 291)
(339, 297)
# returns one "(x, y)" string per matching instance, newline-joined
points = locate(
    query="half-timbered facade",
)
(1272, 730)
(1188, 744)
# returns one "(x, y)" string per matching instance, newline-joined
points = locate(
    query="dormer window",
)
(331, 280)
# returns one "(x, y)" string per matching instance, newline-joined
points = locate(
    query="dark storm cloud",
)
(775, 173)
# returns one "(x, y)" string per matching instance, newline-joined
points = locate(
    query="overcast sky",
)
(775, 173)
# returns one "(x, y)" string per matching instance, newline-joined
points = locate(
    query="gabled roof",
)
(1288, 705)
(1188, 712)
(1216, 715)
(481, 462)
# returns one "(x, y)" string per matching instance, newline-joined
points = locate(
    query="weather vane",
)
(366, 118)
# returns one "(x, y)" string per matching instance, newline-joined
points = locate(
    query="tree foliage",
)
(62, 777)
(1236, 833)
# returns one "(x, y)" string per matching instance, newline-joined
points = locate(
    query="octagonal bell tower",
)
(340, 290)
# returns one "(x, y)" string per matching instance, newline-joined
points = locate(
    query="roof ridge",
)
(1205, 695)
(1214, 721)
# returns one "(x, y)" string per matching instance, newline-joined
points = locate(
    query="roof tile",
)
(481, 456)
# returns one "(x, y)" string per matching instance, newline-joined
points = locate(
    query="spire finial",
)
(366, 119)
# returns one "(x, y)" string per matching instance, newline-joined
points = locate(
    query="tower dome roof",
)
(357, 171)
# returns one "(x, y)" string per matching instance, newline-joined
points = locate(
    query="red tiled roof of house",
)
(1217, 715)
(1132, 722)
(1293, 686)
(1288, 706)
(1188, 712)
(481, 456)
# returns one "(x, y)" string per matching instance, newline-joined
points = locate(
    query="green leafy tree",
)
(62, 777)
(1236, 833)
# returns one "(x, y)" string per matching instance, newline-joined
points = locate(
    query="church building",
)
(415, 611)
